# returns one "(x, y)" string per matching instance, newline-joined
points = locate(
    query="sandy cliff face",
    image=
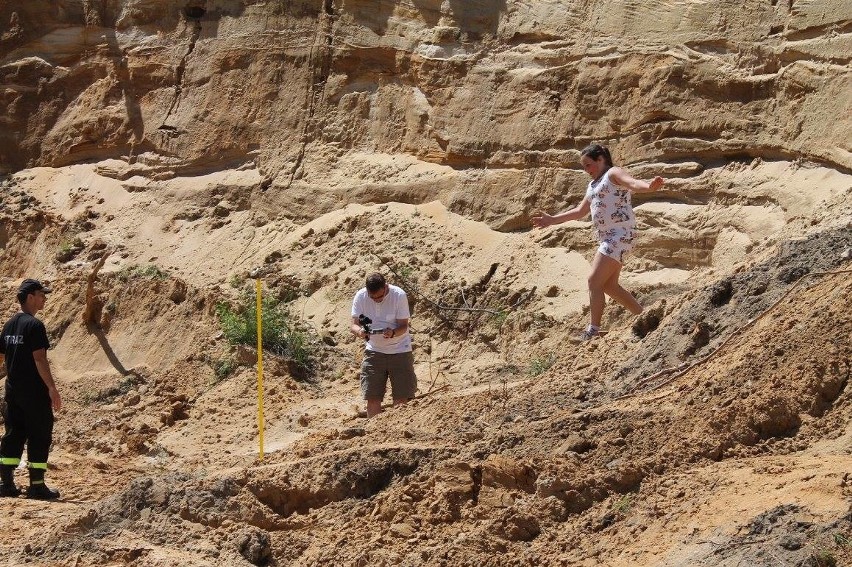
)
(299, 88)
(155, 153)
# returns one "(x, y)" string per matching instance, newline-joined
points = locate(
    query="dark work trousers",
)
(28, 422)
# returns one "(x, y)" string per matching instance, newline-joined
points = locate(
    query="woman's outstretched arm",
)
(627, 181)
(542, 220)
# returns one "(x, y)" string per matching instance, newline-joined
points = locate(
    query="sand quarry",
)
(149, 185)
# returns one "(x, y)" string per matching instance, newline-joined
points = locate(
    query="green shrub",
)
(541, 365)
(223, 367)
(69, 248)
(237, 281)
(288, 293)
(150, 271)
(406, 273)
(499, 319)
(623, 505)
(280, 336)
(127, 383)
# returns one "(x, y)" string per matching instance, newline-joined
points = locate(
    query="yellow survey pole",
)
(259, 369)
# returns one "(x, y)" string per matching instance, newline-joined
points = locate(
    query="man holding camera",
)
(380, 316)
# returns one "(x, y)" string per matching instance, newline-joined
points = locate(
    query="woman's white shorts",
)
(616, 243)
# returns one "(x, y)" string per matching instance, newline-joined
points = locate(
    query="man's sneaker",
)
(7, 491)
(40, 491)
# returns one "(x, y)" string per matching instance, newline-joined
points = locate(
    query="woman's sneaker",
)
(588, 335)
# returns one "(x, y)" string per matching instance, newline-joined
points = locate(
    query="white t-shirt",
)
(384, 314)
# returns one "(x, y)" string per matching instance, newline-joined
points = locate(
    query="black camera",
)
(367, 324)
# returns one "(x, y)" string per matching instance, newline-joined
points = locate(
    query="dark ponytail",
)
(595, 151)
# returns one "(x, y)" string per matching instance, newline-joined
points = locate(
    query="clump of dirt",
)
(698, 325)
(783, 535)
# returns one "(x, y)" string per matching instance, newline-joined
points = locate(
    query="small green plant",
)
(405, 272)
(623, 505)
(127, 383)
(69, 248)
(237, 281)
(288, 293)
(67, 245)
(223, 367)
(88, 396)
(540, 365)
(149, 271)
(499, 319)
(153, 272)
(280, 336)
(843, 540)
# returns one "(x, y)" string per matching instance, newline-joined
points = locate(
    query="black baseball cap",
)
(29, 286)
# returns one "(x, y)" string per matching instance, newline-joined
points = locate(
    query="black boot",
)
(38, 490)
(7, 482)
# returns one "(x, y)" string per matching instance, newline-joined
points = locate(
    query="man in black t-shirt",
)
(31, 396)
